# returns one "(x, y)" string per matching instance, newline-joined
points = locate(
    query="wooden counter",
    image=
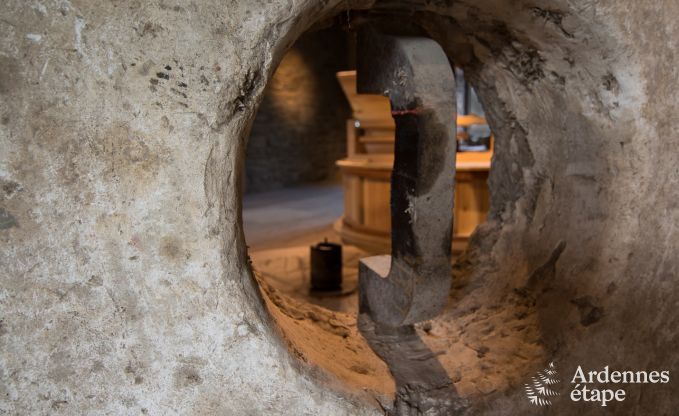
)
(366, 222)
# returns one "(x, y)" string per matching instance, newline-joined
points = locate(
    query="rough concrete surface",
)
(125, 285)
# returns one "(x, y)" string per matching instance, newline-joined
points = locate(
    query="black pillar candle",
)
(326, 266)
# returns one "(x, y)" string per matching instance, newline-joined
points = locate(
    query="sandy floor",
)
(485, 342)
(281, 225)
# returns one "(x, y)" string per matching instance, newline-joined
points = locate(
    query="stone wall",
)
(125, 283)
(299, 131)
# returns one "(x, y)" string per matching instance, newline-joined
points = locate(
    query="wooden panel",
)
(366, 204)
(353, 199)
(376, 213)
(352, 141)
(473, 161)
(371, 110)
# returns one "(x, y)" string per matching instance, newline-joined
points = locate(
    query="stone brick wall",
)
(299, 131)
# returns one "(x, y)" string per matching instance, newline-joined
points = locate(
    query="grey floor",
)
(279, 228)
(278, 218)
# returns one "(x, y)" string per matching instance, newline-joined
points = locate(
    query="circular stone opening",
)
(490, 336)
(293, 143)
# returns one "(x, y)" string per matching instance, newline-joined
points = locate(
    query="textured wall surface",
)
(125, 287)
(299, 131)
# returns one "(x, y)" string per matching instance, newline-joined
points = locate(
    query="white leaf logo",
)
(538, 392)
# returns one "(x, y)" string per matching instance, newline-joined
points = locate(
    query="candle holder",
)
(326, 267)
